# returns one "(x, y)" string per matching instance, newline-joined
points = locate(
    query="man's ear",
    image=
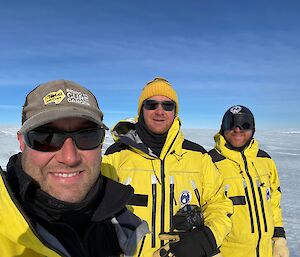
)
(21, 141)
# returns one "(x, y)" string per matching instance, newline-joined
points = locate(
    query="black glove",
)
(199, 242)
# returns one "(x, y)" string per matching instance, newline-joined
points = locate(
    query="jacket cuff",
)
(279, 232)
(211, 240)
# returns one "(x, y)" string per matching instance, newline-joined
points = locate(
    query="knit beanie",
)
(158, 86)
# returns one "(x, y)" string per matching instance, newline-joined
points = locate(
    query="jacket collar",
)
(124, 132)
(250, 151)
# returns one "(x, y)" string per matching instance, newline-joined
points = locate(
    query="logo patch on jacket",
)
(185, 197)
(268, 194)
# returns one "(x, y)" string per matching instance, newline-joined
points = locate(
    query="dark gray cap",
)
(59, 99)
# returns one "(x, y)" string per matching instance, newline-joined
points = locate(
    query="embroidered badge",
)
(77, 97)
(235, 109)
(54, 97)
(185, 197)
(268, 194)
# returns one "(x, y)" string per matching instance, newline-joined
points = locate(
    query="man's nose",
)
(160, 108)
(68, 154)
(237, 129)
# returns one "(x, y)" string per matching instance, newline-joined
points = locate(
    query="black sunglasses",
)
(51, 140)
(243, 121)
(153, 105)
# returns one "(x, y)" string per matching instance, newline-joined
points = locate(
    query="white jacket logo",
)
(185, 197)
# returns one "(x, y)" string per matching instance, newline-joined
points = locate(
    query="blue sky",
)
(215, 54)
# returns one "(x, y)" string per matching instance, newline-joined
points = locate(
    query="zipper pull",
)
(127, 181)
(244, 183)
(226, 189)
(196, 192)
(171, 199)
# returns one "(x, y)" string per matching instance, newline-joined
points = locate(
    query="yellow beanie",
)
(158, 86)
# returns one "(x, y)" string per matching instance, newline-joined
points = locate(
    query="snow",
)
(282, 146)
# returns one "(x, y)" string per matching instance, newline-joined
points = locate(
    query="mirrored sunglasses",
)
(51, 140)
(153, 105)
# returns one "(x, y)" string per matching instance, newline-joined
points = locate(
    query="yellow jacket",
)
(163, 184)
(251, 182)
(17, 237)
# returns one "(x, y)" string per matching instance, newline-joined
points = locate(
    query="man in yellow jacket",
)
(167, 172)
(54, 202)
(251, 182)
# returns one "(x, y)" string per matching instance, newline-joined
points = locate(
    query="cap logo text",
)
(54, 97)
(77, 97)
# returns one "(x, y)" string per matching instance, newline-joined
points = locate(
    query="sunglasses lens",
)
(243, 121)
(153, 105)
(168, 106)
(44, 141)
(89, 139)
(48, 140)
(246, 125)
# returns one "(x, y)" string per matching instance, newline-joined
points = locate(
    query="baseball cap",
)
(59, 99)
(238, 115)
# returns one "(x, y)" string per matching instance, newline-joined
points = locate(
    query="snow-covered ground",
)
(283, 146)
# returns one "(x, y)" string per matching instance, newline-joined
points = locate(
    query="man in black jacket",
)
(54, 201)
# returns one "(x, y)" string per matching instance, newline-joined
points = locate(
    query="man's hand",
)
(195, 243)
(280, 248)
(164, 251)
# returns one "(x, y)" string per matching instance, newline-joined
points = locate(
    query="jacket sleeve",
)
(275, 201)
(217, 208)
(109, 166)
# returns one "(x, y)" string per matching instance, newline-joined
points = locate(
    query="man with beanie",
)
(168, 174)
(251, 182)
(54, 201)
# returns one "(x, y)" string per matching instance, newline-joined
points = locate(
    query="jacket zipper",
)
(262, 204)
(259, 185)
(249, 205)
(163, 199)
(163, 190)
(255, 204)
(153, 210)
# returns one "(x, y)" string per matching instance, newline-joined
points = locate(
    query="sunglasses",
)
(153, 105)
(243, 121)
(51, 140)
